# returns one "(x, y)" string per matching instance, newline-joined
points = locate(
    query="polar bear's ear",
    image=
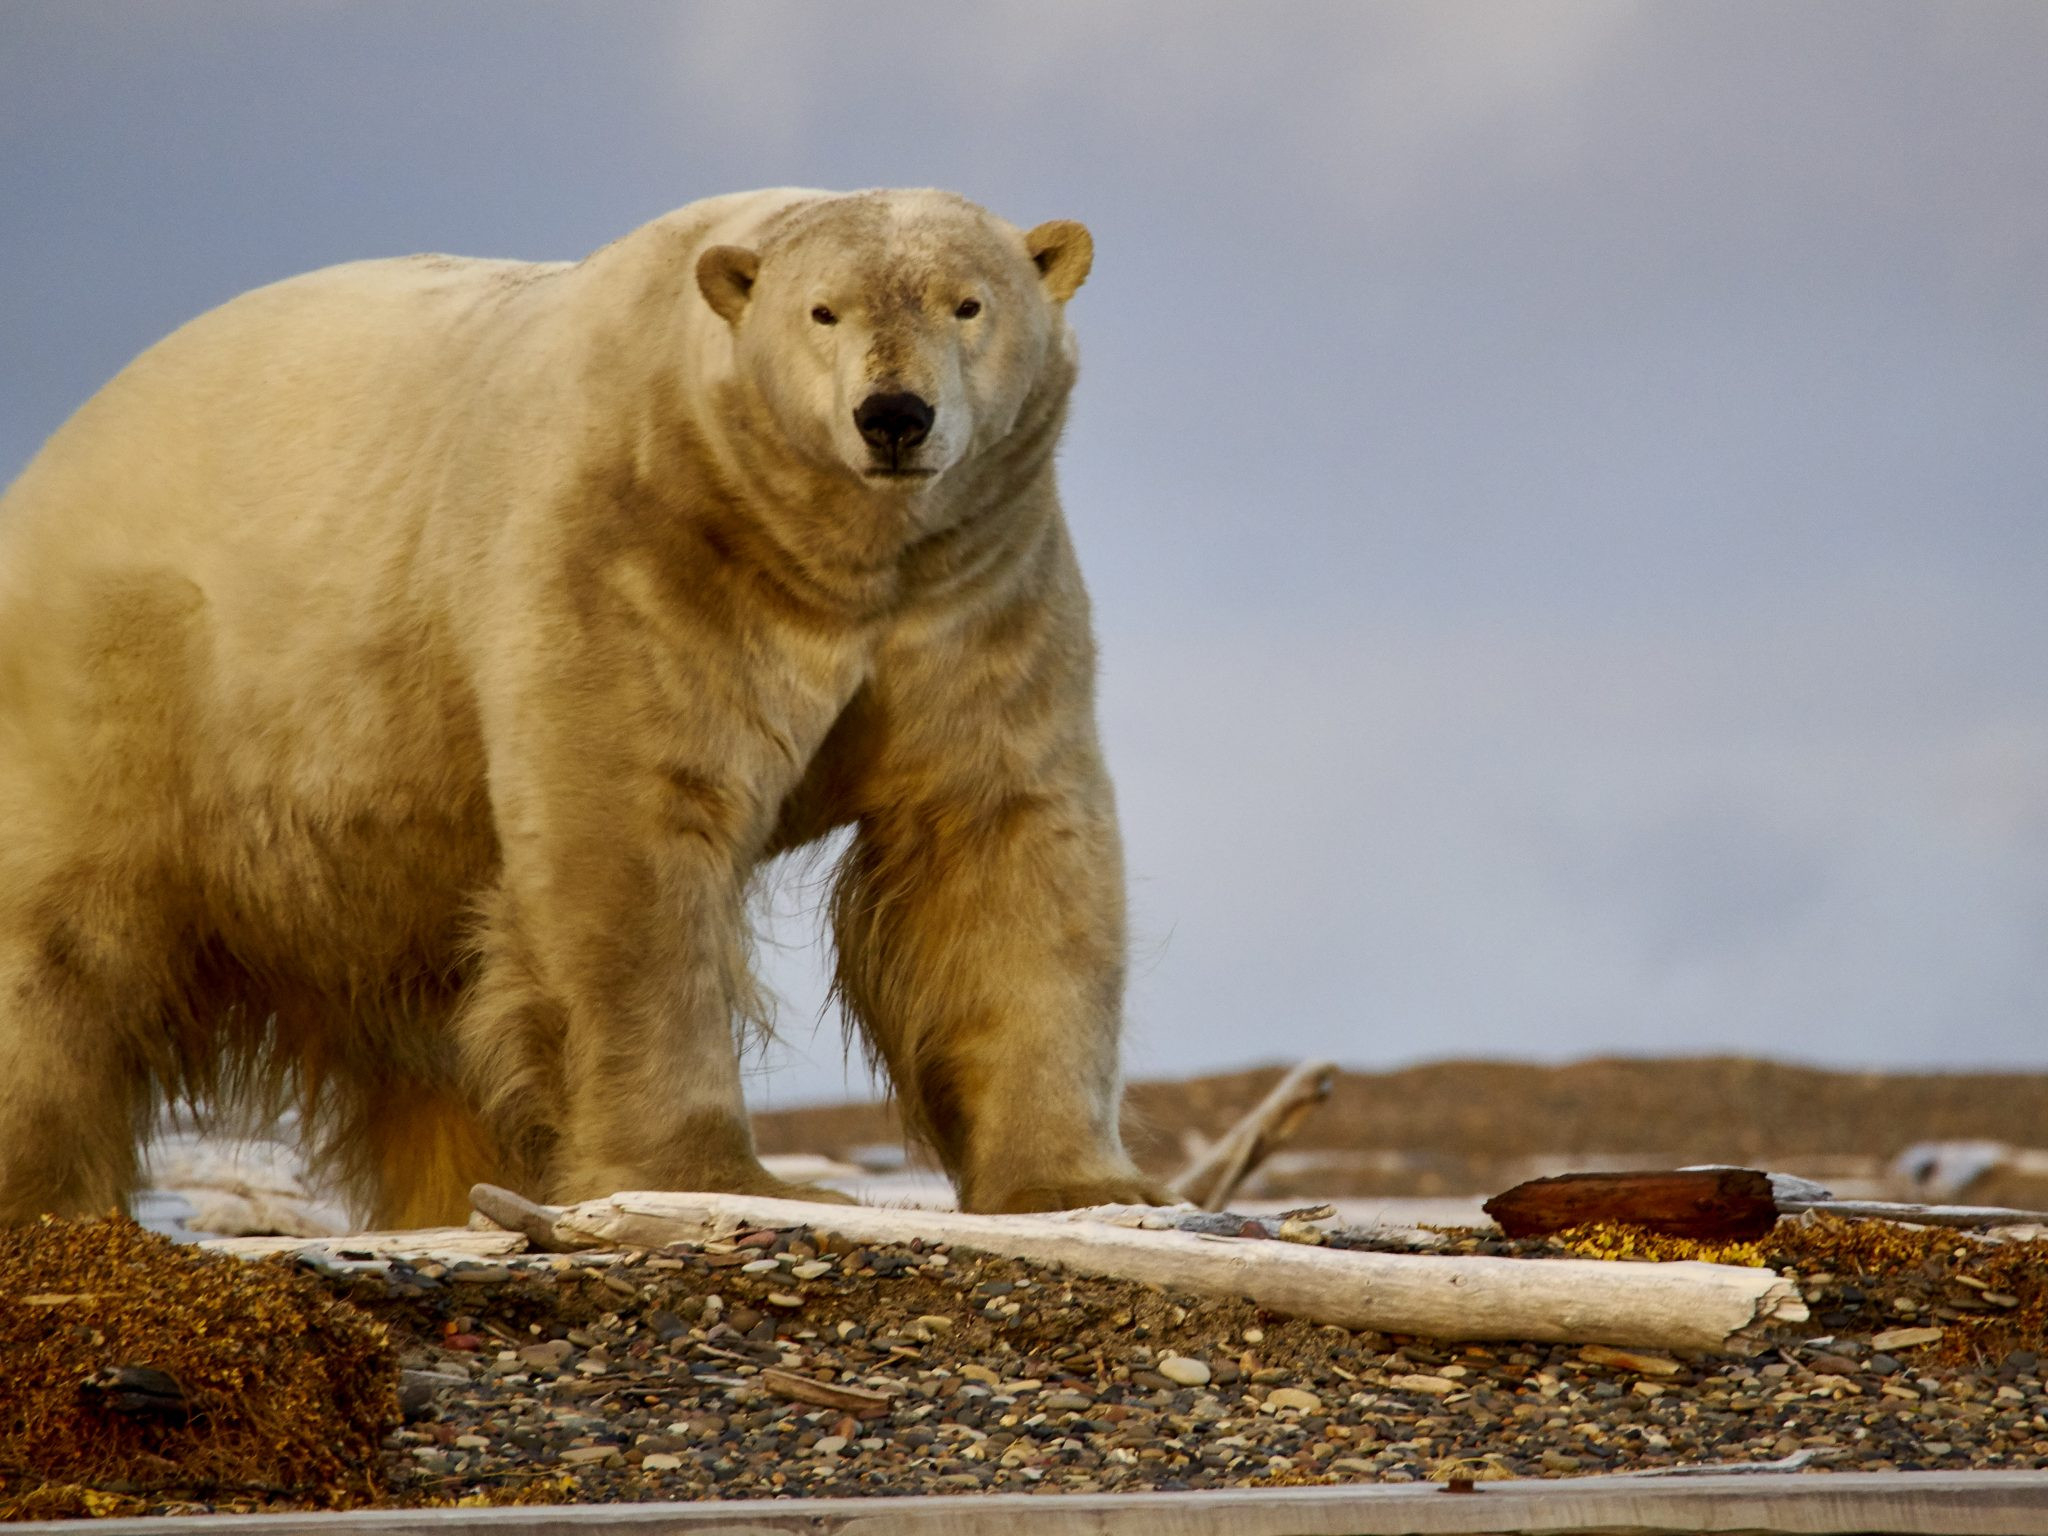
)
(1063, 252)
(725, 275)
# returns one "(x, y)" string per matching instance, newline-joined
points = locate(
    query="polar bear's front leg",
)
(600, 1033)
(981, 949)
(979, 913)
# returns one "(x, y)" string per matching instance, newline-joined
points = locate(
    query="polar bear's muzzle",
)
(893, 423)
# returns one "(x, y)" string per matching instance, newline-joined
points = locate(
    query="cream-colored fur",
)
(404, 668)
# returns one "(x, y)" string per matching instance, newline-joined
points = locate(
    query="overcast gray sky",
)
(1562, 483)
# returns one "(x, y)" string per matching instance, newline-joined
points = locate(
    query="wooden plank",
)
(1824, 1504)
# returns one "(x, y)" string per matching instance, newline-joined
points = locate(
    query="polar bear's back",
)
(270, 404)
(217, 553)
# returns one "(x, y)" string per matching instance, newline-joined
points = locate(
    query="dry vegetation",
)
(275, 1388)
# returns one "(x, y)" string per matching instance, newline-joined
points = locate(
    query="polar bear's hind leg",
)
(74, 1099)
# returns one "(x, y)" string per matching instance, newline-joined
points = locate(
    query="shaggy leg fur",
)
(979, 915)
(423, 1149)
(86, 1044)
(613, 1066)
(382, 1114)
(73, 1100)
(984, 962)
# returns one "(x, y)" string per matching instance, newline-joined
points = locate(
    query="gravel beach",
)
(685, 1375)
(790, 1363)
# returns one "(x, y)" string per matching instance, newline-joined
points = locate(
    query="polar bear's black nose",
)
(895, 421)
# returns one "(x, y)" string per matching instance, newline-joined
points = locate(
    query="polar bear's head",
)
(894, 334)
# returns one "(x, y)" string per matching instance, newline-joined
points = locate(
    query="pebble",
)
(1630, 1360)
(811, 1270)
(1904, 1338)
(480, 1274)
(1294, 1397)
(1183, 1371)
(417, 1389)
(1435, 1385)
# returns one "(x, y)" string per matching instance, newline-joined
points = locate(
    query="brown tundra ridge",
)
(1475, 1127)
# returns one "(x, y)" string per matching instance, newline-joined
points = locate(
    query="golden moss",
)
(1470, 1469)
(67, 1501)
(543, 1488)
(1945, 1275)
(1610, 1240)
(290, 1391)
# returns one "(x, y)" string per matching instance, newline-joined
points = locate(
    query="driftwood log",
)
(1711, 1204)
(437, 1243)
(1961, 1216)
(1214, 1176)
(861, 1402)
(1689, 1306)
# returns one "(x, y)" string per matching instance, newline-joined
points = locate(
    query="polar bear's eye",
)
(823, 315)
(968, 309)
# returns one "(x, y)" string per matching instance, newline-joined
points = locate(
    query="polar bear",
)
(404, 668)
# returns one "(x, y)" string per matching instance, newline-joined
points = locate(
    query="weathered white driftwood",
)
(1213, 1177)
(1688, 1306)
(1918, 1215)
(441, 1244)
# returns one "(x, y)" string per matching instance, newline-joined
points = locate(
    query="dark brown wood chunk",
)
(1711, 1204)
